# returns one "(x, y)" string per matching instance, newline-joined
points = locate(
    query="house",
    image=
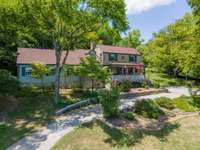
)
(123, 62)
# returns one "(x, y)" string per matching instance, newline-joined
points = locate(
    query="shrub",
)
(8, 84)
(28, 91)
(196, 101)
(128, 115)
(156, 85)
(148, 108)
(125, 86)
(109, 101)
(136, 84)
(165, 103)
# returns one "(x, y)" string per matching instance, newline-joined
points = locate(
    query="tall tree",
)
(132, 39)
(173, 50)
(71, 22)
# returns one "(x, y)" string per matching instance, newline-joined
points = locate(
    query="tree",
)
(39, 71)
(132, 39)
(173, 50)
(195, 4)
(143, 49)
(89, 67)
(18, 28)
(72, 22)
(9, 84)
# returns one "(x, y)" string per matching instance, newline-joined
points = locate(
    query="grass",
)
(69, 97)
(183, 134)
(28, 112)
(185, 104)
(164, 80)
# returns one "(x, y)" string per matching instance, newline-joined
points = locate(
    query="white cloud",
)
(138, 6)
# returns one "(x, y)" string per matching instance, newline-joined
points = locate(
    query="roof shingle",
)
(47, 56)
(117, 49)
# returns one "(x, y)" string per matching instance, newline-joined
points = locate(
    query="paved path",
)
(48, 136)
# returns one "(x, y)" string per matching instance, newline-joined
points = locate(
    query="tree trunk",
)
(92, 85)
(58, 53)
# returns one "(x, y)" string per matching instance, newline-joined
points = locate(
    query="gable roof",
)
(117, 49)
(47, 56)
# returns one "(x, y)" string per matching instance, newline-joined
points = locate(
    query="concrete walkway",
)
(48, 136)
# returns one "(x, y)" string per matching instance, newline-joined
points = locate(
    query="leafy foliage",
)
(132, 39)
(89, 67)
(125, 86)
(9, 84)
(165, 103)
(109, 101)
(173, 49)
(39, 71)
(148, 108)
(129, 115)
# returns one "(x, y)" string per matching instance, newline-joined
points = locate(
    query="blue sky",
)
(152, 15)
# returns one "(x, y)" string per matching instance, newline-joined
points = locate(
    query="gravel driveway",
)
(48, 136)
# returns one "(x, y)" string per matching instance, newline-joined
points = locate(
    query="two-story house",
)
(123, 62)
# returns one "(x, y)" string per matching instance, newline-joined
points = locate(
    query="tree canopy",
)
(173, 50)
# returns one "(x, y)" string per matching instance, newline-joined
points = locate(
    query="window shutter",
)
(23, 71)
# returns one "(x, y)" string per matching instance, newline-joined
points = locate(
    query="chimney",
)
(92, 45)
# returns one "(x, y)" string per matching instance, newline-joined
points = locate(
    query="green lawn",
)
(183, 134)
(164, 80)
(29, 114)
(29, 111)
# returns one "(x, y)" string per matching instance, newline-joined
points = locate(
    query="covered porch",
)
(131, 72)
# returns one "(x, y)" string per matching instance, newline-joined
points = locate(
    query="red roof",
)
(47, 56)
(117, 49)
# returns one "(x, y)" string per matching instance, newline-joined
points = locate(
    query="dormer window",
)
(132, 58)
(112, 57)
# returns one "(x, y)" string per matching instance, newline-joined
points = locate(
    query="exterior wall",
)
(99, 55)
(29, 80)
(67, 81)
(122, 58)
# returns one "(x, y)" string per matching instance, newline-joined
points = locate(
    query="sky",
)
(152, 15)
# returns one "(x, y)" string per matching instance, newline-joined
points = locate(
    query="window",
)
(119, 71)
(26, 72)
(132, 58)
(113, 57)
(23, 71)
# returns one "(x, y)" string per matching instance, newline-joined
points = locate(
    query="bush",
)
(128, 115)
(156, 85)
(8, 84)
(28, 91)
(125, 86)
(148, 108)
(77, 92)
(136, 84)
(109, 101)
(196, 98)
(165, 103)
